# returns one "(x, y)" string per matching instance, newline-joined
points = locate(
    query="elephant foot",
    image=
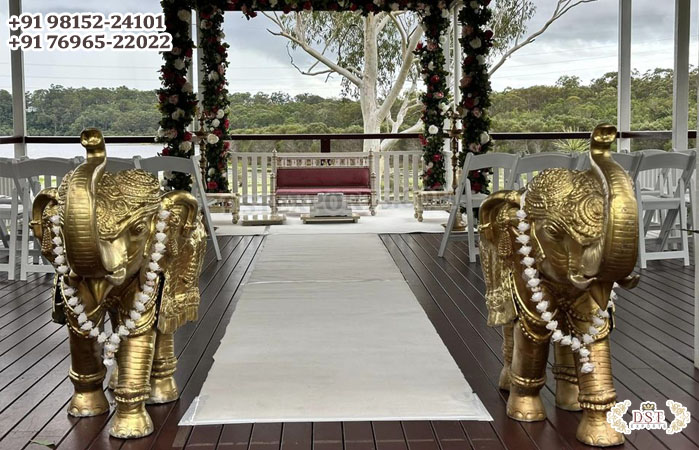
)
(525, 408)
(114, 378)
(131, 421)
(595, 430)
(567, 395)
(163, 390)
(87, 404)
(504, 382)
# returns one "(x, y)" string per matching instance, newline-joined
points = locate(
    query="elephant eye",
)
(552, 230)
(138, 228)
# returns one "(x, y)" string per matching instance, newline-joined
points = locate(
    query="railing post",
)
(325, 145)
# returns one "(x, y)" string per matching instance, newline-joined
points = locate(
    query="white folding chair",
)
(119, 164)
(528, 166)
(30, 176)
(10, 213)
(158, 164)
(669, 200)
(630, 162)
(465, 198)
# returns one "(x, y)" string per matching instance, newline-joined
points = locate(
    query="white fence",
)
(398, 175)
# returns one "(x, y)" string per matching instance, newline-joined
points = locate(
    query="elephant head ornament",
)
(551, 254)
(128, 252)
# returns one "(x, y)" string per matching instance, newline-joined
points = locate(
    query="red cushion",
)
(347, 190)
(323, 176)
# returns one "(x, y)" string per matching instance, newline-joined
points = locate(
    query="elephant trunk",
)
(80, 218)
(620, 232)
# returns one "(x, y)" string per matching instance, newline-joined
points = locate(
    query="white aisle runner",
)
(327, 329)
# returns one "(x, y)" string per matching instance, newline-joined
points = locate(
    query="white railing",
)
(398, 175)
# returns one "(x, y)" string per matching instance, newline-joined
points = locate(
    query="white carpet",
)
(327, 329)
(388, 219)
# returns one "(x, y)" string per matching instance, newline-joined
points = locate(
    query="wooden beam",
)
(624, 75)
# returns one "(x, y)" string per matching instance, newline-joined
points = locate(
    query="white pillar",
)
(624, 75)
(696, 257)
(19, 107)
(447, 142)
(199, 67)
(680, 104)
(457, 54)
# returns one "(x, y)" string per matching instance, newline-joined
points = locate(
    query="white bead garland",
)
(110, 340)
(577, 343)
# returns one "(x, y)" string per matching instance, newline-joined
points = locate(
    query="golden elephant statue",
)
(126, 249)
(551, 254)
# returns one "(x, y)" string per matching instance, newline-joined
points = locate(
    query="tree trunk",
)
(368, 91)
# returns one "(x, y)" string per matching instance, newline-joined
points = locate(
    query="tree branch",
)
(562, 7)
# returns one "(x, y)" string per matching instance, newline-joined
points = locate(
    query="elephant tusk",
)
(580, 282)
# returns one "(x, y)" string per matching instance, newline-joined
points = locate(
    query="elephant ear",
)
(182, 262)
(45, 205)
(497, 216)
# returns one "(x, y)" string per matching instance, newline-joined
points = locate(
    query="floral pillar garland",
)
(215, 104)
(177, 100)
(435, 100)
(476, 41)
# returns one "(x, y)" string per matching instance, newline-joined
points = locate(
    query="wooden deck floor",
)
(652, 345)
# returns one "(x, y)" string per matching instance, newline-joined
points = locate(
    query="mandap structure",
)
(178, 101)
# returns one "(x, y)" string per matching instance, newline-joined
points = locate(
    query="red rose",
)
(188, 53)
(211, 185)
(221, 49)
(180, 81)
(226, 145)
(423, 141)
(468, 103)
(435, 79)
(252, 14)
(307, 6)
(226, 124)
(205, 15)
(187, 136)
(488, 34)
(286, 9)
(353, 7)
(469, 59)
(436, 186)
(165, 152)
(437, 157)
(162, 97)
(475, 186)
(419, 46)
(333, 7)
(218, 132)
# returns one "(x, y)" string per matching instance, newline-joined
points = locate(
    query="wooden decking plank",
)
(204, 437)
(419, 435)
(266, 436)
(297, 436)
(327, 436)
(509, 431)
(389, 435)
(482, 436)
(358, 436)
(450, 435)
(235, 437)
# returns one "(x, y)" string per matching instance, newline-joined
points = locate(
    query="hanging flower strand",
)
(110, 340)
(214, 103)
(476, 41)
(176, 96)
(435, 100)
(577, 344)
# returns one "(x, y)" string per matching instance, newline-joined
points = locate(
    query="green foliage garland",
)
(476, 41)
(177, 100)
(435, 99)
(214, 103)
(250, 7)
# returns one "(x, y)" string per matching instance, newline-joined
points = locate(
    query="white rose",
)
(394, 6)
(212, 171)
(177, 114)
(212, 139)
(205, 24)
(184, 15)
(213, 76)
(445, 13)
(215, 123)
(446, 124)
(161, 132)
(433, 129)
(174, 99)
(430, 66)
(480, 59)
(185, 146)
(179, 64)
(485, 138)
(475, 43)
(187, 87)
(220, 113)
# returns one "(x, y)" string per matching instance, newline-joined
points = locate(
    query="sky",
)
(583, 43)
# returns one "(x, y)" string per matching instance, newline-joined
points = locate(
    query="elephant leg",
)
(507, 348)
(87, 374)
(114, 377)
(163, 388)
(527, 376)
(597, 396)
(566, 378)
(134, 358)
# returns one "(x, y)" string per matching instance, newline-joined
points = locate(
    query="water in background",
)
(71, 150)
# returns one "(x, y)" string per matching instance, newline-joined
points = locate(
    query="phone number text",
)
(87, 21)
(74, 42)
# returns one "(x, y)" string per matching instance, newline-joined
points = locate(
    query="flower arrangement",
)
(176, 96)
(251, 7)
(476, 41)
(577, 343)
(435, 101)
(110, 340)
(214, 101)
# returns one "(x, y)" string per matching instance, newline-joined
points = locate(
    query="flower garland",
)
(435, 103)
(215, 104)
(251, 7)
(110, 340)
(177, 100)
(476, 40)
(577, 343)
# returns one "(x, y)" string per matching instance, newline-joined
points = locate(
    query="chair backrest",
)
(500, 163)
(119, 164)
(42, 173)
(528, 165)
(664, 162)
(630, 162)
(159, 164)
